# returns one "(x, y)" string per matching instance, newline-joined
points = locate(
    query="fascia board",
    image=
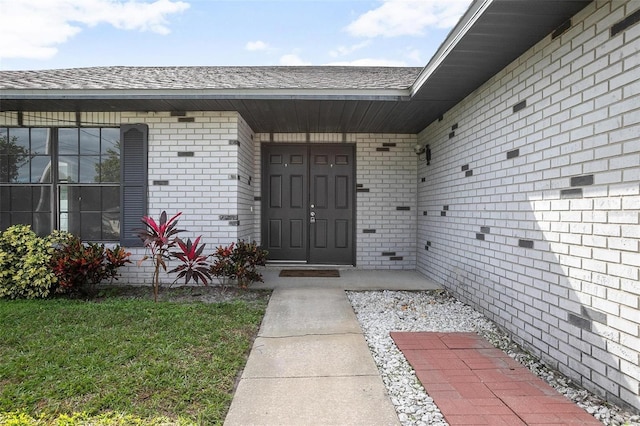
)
(262, 94)
(471, 16)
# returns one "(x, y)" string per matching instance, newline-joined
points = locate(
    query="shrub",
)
(79, 267)
(24, 264)
(194, 264)
(35, 267)
(238, 262)
(159, 237)
(162, 236)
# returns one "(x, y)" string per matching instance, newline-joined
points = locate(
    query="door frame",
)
(264, 150)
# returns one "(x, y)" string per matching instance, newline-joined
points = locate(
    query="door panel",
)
(331, 200)
(286, 202)
(308, 200)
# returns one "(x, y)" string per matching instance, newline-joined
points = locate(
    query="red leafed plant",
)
(194, 265)
(159, 237)
(238, 262)
(81, 266)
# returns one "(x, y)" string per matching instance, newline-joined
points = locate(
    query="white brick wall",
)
(247, 182)
(573, 193)
(386, 172)
(203, 186)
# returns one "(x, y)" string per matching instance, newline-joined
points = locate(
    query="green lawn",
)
(124, 357)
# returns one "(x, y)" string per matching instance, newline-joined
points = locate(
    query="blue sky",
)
(43, 34)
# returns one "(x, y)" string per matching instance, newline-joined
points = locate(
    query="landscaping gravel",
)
(380, 312)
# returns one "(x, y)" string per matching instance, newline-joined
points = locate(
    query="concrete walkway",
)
(310, 364)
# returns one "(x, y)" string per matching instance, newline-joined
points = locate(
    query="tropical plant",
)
(194, 265)
(24, 264)
(238, 262)
(80, 267)
(159, 237)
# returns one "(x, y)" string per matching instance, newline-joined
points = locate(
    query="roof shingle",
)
(199, 78)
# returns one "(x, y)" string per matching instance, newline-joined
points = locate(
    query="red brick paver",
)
(473, 383)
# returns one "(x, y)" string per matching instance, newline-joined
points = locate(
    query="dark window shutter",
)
(133, 169)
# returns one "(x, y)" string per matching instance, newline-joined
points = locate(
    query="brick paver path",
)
(473, 383)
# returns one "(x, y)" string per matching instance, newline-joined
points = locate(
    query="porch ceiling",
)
(490, 36)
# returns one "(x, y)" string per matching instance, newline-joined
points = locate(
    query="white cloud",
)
(256, 45)
(33, 28)
(414, 55)
(292, 59)
(407, 17)
(370, 62)
(345, 50)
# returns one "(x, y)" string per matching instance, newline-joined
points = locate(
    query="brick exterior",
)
(555, 194)
(528, 210)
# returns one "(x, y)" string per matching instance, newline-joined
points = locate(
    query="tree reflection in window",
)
(12, 158)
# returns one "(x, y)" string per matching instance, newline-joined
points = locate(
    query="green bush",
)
(34, 267)
(24, 264)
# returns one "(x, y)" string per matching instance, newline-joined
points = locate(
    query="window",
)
(62, 178)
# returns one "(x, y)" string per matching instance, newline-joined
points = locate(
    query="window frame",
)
(55, 185)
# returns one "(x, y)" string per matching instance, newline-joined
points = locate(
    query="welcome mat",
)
(310, 273)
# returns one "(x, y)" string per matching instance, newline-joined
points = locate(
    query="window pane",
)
(42, 224)
(40, 141)
(4, 169)
(20, 218)
(21, 199)
(111, 198)
(89, 141)
(64, 221)
(110, 140)
(19, 167)
(74, 224)
(5, 196)
(41, 169)
(111, 213)
(5, 220)
(68, 141)
(4, 140)
(90, 199)
(111, 226)
(68, 169)
(91, 226)
(41, 199)
(89, 169)
(19, 137)
(14, 167)
(110, 167)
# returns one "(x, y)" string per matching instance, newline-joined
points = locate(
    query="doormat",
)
(310, 273)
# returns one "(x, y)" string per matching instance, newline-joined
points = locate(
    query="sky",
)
(49, 34)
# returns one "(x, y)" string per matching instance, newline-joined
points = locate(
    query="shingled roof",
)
(201, 78)
(489, 36)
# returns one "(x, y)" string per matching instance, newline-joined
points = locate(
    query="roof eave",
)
(465, 23)
(209, 94)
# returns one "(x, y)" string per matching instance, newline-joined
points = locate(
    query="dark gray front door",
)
(308, 203)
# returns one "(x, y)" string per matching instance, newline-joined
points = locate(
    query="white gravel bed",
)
(380, 312)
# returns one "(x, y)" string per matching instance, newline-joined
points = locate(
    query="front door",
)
(308, 203)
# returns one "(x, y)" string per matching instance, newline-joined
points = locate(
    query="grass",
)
(132, 357)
